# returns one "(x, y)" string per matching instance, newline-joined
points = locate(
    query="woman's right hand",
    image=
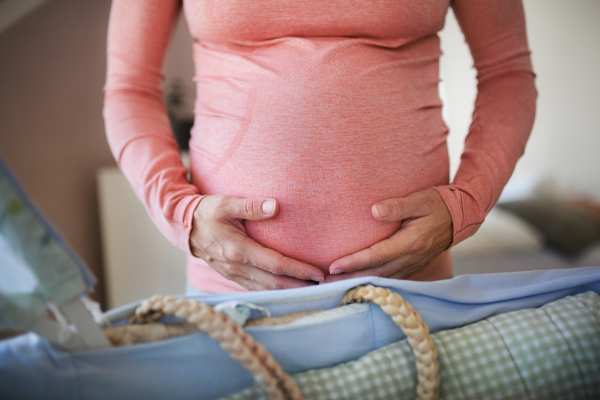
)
(219, 237)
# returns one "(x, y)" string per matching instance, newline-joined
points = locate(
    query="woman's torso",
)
(327, 107)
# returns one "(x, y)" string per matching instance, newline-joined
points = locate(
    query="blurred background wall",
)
(52, 71)
(564, 38)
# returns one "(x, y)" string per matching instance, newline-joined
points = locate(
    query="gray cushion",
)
(567, 228)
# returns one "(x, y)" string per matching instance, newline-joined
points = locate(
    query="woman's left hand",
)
(425, 232)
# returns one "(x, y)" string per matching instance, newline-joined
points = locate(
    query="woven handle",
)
(231, 337)
(415, 329)
(262, 366)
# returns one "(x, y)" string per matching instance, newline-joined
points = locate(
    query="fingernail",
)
(381, 210)
(268, 207)
(317, 279)
(336, 271)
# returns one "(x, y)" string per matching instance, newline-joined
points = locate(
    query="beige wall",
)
(565, 143)
(51, 128)
(52, 71)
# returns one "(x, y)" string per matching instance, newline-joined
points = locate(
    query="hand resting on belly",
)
(424, 234)
(219, 237)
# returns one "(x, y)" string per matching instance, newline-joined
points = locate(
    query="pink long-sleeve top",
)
(326, 106)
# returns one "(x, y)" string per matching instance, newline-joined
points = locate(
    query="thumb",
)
(398, 209)
(254, 209)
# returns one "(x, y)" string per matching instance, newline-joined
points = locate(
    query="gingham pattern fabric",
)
(551, 352)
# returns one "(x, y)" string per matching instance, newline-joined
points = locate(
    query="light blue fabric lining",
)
(195, 367)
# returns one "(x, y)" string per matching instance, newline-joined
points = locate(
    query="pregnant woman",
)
(318, 151)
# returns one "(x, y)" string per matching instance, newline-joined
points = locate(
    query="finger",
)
(255, 209)
(414, 205)
(250, 285)
(253, 278)
(274, 285)
(276, 263)
(278, 282)
(397, 269)
(374, 256)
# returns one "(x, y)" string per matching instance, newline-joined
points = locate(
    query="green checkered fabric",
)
(551, 352)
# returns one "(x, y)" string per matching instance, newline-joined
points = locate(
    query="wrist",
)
(192, 227)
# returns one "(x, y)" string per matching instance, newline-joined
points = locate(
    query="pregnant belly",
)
(326, 148)
(326, 166)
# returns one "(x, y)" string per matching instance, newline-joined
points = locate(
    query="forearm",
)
(504, 110)
(151, 162)
(137, 125)
(492, 149)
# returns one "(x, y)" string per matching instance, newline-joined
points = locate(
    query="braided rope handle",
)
(231, 337)
(415, 329)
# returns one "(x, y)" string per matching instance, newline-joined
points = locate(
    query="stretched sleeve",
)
(137, 126)
(504, 109)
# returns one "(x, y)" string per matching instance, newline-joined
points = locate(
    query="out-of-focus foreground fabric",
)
(195, 367)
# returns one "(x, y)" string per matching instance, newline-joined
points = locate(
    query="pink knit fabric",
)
(325, 106)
